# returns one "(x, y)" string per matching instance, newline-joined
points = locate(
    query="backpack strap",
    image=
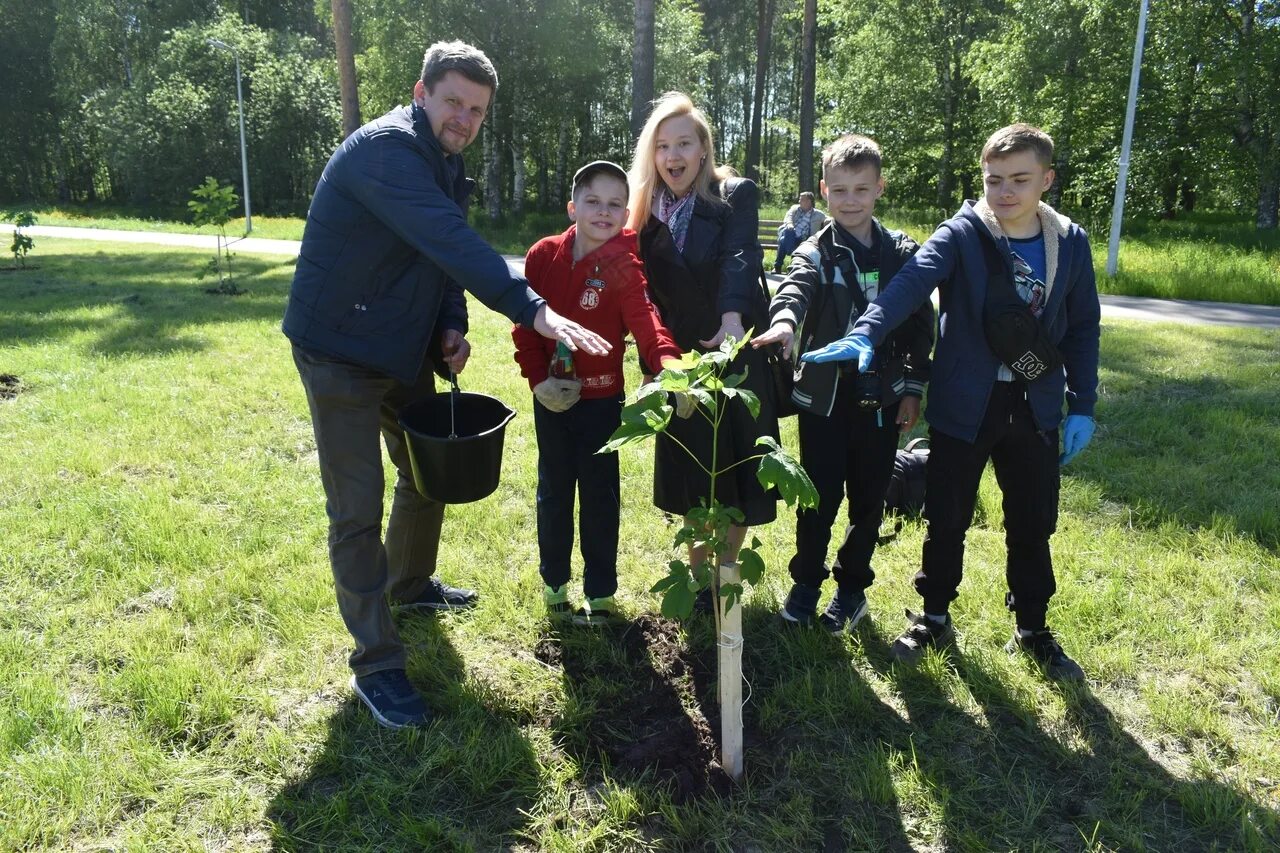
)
(831, 260)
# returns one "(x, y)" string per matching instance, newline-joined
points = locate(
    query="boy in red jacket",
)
(592, 275)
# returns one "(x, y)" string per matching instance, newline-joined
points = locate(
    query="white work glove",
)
(558, 395)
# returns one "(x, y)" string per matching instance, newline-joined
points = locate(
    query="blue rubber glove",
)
(845, 349)
(1076, 434)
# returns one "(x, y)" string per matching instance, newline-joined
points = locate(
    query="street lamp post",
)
(1117, 207)
(244, 157)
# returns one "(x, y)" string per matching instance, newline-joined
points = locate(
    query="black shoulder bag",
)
(1013, 333)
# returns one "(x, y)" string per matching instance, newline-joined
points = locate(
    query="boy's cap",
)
(597, 167)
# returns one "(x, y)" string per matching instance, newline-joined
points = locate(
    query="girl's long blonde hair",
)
(643, 175)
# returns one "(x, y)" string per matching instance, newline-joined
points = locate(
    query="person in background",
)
(801, 221)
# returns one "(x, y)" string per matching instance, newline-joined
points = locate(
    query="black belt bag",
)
(1013, 333)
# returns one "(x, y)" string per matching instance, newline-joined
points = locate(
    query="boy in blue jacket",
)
(1006, 407)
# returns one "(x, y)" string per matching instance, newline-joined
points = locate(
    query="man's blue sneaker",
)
(801, 605)
(844, 612)
(392, 699)
(439, 596)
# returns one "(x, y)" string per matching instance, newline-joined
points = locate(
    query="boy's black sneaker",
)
(923, 633)
(801, 606)
(392, 699)
(1041, 647)
(441, 596)
(844, 612)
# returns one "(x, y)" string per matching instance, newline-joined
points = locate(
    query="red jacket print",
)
(607, 293)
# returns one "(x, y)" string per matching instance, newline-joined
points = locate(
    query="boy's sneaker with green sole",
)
(557, 601)
(597, 611)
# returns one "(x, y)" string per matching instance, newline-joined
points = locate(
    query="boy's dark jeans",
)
(350, 407)
(1026, 466)
(567, 445)
(846, 453)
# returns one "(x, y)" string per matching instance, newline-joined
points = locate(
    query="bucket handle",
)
(453, 404)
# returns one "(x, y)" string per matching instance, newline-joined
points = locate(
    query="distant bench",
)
(769, 233)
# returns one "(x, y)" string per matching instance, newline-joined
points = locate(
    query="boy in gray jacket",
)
(849, 423)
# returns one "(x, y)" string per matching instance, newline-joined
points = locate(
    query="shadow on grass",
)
(1198, 447)
(154, 301)
(1001, 782)
(820, 741)
(461, 784)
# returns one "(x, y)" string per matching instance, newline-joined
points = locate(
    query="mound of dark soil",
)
(10, 386)
(658, 726)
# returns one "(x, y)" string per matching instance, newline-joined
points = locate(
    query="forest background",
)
(123, 102)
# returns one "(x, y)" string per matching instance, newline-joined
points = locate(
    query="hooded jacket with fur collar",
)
(964, 367)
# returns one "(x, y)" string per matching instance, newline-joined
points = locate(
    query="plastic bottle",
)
(562, 362)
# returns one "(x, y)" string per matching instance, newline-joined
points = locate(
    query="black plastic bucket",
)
(455, 444)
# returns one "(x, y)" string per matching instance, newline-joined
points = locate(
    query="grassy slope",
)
(1211, 256)
(172, 667)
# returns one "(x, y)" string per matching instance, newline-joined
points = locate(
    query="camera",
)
(866, 390)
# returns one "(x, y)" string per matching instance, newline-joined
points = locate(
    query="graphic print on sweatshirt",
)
(1029, 272)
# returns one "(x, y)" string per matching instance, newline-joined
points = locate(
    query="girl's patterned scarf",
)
(676, 213)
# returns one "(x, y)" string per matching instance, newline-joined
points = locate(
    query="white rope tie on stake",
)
(729, 641)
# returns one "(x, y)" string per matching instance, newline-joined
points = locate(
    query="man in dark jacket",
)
(376, 306)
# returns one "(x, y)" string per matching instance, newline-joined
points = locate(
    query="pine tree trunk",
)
(492, 166)
(1268, 196)
(562, 164)
(764, 32)
(345, 50)
(517, 174)
(642, 51)
(808, 67)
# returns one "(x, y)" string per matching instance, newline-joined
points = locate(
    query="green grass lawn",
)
(173, 668)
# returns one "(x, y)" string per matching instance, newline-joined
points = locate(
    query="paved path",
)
(256, 245)
(1115, 307)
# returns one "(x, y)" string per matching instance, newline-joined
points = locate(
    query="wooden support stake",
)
(730, 658)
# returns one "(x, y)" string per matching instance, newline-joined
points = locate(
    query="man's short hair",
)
(445, 56)
(852, 151)
(1019, 137)
(806, 195)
